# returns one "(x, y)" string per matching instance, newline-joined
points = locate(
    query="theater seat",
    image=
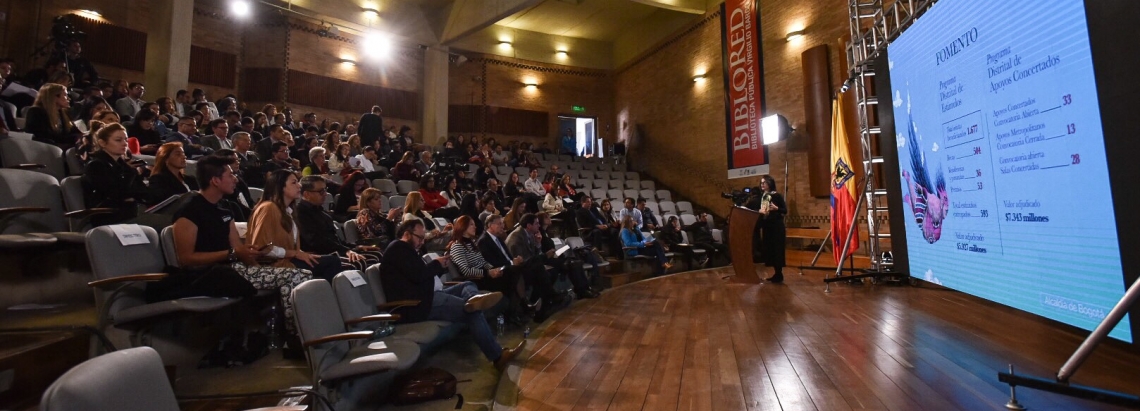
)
(127, 380)
(32, 211)
(121, 273)
(358, 302)
(32, 155)
(336, 356)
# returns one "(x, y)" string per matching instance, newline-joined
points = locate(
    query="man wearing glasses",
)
(317, 230)
(187, 134)
(280, 159)
(405, 276)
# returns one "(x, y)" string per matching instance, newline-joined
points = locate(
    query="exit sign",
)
(577, 109)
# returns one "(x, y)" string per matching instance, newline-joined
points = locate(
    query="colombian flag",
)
(842, 183)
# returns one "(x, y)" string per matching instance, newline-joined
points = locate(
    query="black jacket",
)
(491, 252)
(38, 124)
(164, 185)
(318, 232)
(114, 184)
(405, 276)
(587, 218)
(370, 129)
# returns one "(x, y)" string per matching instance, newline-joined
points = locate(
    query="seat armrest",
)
(88, 212)
(451, 283)
(373, 318)
(355, 335)
(17, 210)
(126, 278)
(29, 166)
(392, 305)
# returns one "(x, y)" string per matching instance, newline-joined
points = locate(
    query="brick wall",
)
(675, 126)
(559, 88)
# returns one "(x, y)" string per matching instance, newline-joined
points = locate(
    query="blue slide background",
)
(1008, 115)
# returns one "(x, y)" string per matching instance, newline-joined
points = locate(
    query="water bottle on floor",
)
(502, 324)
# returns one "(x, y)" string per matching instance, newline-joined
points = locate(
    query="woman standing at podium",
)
(772, 210)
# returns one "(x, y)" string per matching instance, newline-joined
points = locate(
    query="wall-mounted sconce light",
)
(795, 35)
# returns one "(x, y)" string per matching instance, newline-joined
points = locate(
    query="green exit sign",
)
(577, 109)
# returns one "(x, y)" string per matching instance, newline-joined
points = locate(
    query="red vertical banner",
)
(743, 87)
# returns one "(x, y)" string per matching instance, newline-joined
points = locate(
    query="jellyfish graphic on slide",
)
(926, 197)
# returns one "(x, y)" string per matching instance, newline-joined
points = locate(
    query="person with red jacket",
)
(434, 201)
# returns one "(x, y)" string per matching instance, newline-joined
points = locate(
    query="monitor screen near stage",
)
(1002, 157)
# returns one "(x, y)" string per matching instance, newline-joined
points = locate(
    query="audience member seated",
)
(187, 134)
(348, 198)
(532, 272)
(533, 190)
(434, 200)
(514, 214)
(48, 120)
(583, 255)
(610, 215)
(566, 188)
(496, 193)
(471, 207)
(368, 163)
(219, 137)
(248, 161)
(375, 229)
(554, 206)
(672, 241)
(425, 162)
(206, 238)
(526, 242)
(488, 205)
(452, 193)
(554, 174)
(318, 230)
(513, 187)
(90, 107)
(143, 129)
(472, 266)
(338, 160)
(592, 226)
(272, 225)
(701, 237)
(317, 165)
(111, 181)
(634, 244)
(166, 175)
(405, 276)
(240, 202)
(485, 172)
(405, 169)
(275, 134)
(500, 157)
(279, 160)
(631, 212)
(437, 236)
(647, 217)
(129, 106)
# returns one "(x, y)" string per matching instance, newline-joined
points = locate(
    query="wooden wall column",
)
(817, 116)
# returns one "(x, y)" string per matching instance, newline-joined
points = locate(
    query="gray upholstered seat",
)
(133, 379)
(351, 232)
(39, 195)
(124, 380)
(358, 302)
(17, 151)
(124, 303)
(318, 317)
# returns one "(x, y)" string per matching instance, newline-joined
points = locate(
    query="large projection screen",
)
(1002, 159)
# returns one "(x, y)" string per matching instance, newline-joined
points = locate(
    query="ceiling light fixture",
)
(240, 8)
(371, 12)
(795, 35)
(91, 13)
(376, 46)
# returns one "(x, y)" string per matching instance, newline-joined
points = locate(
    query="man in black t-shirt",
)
(205, 235)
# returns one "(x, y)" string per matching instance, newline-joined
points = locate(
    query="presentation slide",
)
(1004, 176)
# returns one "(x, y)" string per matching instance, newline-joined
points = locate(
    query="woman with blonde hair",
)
(437, 236)
(375, 228)
(48, 120)
(354, 146)
(166, 175)
(110, 180)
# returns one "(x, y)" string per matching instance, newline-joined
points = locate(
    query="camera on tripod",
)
(444, 166)
(739, 197)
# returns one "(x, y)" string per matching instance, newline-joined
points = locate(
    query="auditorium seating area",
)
(88, 285)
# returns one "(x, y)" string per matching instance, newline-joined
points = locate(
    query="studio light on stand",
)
(773, 129)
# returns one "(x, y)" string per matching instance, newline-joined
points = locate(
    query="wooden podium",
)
(741, 225)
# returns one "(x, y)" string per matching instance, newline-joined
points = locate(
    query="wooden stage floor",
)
(691, 341)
